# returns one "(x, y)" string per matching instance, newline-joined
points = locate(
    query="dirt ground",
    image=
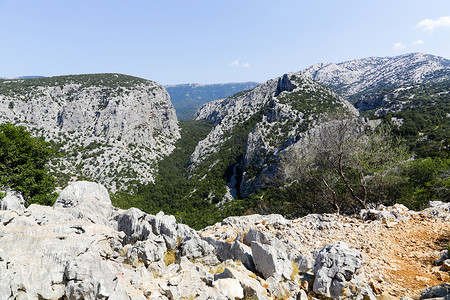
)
(399, 255)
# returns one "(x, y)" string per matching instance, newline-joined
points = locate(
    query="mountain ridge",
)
(108, 127)
(373, 73)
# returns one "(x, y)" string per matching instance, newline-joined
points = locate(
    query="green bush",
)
(23, 160)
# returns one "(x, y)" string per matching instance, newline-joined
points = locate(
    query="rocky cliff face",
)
(187, 98)
(84, 248)
(276, 114)
(109, 127)
(375, 73)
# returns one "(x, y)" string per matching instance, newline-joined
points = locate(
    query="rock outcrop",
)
(84, 248)
(276, 114)
(107, 127)
(375, 73)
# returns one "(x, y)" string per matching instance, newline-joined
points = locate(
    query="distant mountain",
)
(252, 129)
(111, 128)
(361, 76)
(187, 98)
(30, 77)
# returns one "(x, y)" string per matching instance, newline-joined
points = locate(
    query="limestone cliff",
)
(279, 113)
(109, 127)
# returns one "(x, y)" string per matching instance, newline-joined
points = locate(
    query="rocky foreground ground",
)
(84, 248)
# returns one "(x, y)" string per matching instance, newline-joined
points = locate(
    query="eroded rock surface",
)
(84, 248)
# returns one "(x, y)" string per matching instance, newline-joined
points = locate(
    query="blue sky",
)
(211, 41)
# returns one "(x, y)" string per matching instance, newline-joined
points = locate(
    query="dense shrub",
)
(23, 160)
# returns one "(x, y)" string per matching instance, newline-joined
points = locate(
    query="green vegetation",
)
(26, 87)
(423, 180)
(193, 200)
(23, 162)
(425, 111)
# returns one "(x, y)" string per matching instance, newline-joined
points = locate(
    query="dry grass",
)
(170, 257)
(295, 270)
(217, 269)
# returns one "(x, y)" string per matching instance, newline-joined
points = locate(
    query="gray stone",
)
(254, 235)
(305, 263)
(334, 267)
(194, 247)
(271, 261)
(252, 287)
(441, 291)
(86, 200)
(230, 288)
(439, 210)
(12, 201)
(392, 213)
(236, 251)
(134, 224)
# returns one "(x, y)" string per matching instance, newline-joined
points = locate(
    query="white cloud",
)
(235, 63)
(430, 25)
(418, 42)
(399, 46)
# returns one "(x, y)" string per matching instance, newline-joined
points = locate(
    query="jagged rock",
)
(73, 257)
(444, 255)
(398, 212)
(441, 291)
(305, 263)
(229, 287)
(271, 261)
(334, 267)
(12, 201)
(252, 287)
(284, 84)
(235, 251)
(86, 200)
(250, 221)
(352, 77)
(87, 277)
(254, 235)
(438, 210)
(144, 252)
(446, 264)
(134, 224)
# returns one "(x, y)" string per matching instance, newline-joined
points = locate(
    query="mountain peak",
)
(373, 73)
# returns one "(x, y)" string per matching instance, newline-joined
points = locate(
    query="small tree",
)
(23, 162)
(343, 162)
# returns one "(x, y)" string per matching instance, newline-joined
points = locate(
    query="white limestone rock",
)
(335, 266)
(12, 200)
(86, 200)
(230, 288)
(271, 261)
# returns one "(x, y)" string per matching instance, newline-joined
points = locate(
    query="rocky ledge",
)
(84, 248)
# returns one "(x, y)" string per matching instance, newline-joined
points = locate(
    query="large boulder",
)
(86, 200)
(335, 266)
(271, 261)
(57, 260)
(12, 200)
(441, 291)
